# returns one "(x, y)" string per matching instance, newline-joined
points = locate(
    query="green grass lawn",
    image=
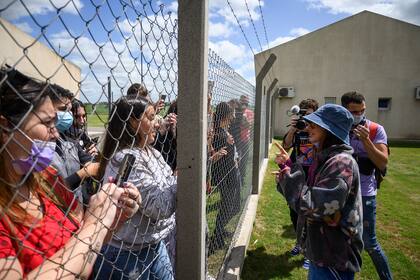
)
(398, 225)
(97, 115)
(96, 120)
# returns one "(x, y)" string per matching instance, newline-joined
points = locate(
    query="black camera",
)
(300, 123)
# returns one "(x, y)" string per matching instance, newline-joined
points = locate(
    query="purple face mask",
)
(42, 153)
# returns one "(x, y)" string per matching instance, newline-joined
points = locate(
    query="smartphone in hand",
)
(125, 169)
(91, 141)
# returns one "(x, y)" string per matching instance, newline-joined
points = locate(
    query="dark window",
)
(330, 100)
(384, 104)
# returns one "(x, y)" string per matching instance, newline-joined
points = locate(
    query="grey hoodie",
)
(156, 216)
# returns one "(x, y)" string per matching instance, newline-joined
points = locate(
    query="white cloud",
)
(220, 29)
(406, 10)
(281, 40)
(173, 6)
(247, 70)
(238, 57)
(38, 7)
(230, 52)
(123, 59)
(24, 26)
(220, 8)
(294, 33)
(300, 31)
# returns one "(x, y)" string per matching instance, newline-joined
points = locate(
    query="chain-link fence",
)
(89, 98)
(230, 143)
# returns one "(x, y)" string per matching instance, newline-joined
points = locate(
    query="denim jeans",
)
(326, 273)
(371, 244)
(151, 262)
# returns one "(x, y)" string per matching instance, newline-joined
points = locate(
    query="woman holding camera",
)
(137, 250)
(328, 203)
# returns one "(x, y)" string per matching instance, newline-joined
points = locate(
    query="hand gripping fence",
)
(85, 85)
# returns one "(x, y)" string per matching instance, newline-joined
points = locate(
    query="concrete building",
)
(35, 59)
(367, 52)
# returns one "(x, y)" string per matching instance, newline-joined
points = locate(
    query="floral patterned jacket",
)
(330, 209)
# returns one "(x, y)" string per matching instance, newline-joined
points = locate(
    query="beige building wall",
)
(370, 53)
(39, 61)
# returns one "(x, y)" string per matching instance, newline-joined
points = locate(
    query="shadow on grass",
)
(261, 265)
(404, 144)
(288, 231)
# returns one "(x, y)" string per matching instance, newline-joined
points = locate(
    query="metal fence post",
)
(268, 119)
(109, 95)
(258, 121)
(272, 104)
(191, 139)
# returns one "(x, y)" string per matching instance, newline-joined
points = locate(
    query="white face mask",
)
(358, 119)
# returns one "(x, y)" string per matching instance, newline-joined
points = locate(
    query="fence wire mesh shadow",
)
(92, 107)
(230, 142)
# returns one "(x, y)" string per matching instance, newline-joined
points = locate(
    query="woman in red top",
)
(44, 231)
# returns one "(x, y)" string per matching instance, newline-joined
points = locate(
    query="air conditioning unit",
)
(417, 92)
(286, 92)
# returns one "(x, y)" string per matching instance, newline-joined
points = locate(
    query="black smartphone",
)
(95, 139)
(125, 169)
(91, 141)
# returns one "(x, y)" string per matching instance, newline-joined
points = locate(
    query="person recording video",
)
(302, 150)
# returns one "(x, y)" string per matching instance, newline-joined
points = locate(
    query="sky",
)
(105, 40)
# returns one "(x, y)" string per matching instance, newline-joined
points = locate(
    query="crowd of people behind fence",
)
(65, 209)
(71, 208)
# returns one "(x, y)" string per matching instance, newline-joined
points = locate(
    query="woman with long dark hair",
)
(166, 138)
(137, 250)
(78, 131)
(44, 232)
(224, 174)
(329, 203)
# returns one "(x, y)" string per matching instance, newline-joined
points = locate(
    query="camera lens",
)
(300, 124)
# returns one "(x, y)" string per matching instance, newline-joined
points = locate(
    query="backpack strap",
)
(379, 174)
(373, 129)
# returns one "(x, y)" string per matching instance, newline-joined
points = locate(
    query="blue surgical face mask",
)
(64, 120)
(358, 118)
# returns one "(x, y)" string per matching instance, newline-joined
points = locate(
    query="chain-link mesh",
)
(120, 60)
(229, 145)
(89, 86)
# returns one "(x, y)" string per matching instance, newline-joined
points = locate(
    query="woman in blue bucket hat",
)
(329, 203)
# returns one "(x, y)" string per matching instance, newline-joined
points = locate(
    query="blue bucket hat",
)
(334, 118)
